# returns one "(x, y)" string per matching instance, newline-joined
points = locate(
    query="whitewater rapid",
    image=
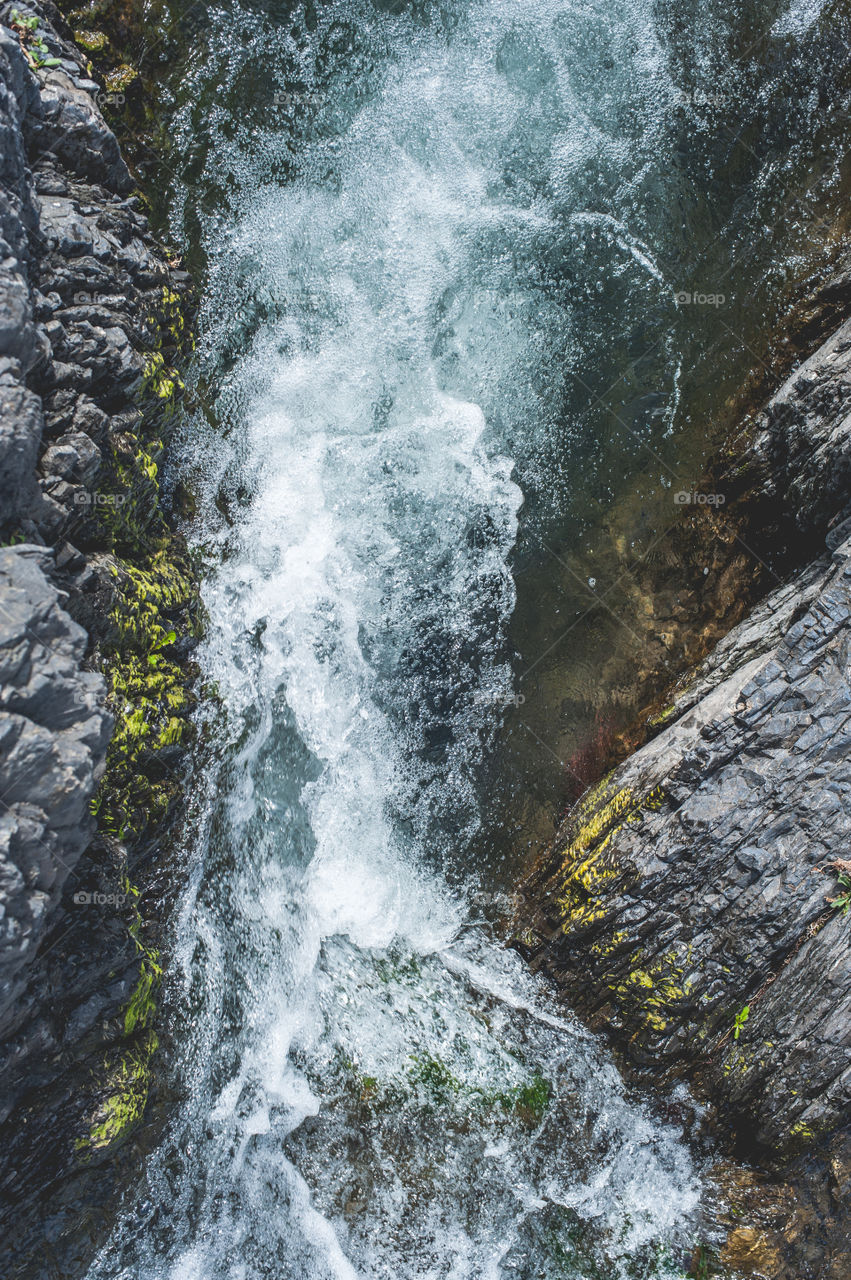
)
(369, 1084)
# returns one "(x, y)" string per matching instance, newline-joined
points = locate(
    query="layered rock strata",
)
(96, 622)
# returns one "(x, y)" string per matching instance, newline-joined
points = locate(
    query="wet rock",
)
(74, 456)
(68, 124)
(21, 426)
(83, 289)
(685, 904)
(54, 727)
(803, 449)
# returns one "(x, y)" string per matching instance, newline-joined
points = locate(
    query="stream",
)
(433, 236)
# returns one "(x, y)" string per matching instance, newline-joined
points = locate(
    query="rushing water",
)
(416, 223)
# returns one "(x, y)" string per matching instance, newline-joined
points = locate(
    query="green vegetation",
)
(34, 49)
(438, 1085)
(652, 991)
(126, 1087)
(740, 1020)
(533, 1099)
(148, 692)
(842, 901)
(589, 865)
(704, 1262)
(92, 41)
(528, 1102)
(150, 615)
(154, 603)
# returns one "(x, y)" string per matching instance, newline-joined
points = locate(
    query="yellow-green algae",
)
(663, 716)
(148, 692)
(588, 864)
(740, 1059)
(153, 606)
(650, 993)
(162, 380)
(119, 79)
(603, 948)
(90, 40)
(590, 869)
(127, 1082)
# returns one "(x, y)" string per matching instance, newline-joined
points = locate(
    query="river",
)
(433, 237)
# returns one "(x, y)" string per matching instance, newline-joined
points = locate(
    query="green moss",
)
(651, 994)
(740, 1059)
(606, 948)
(90, 40)
(142, 1005)
(120, 78)
(434, 1075)
(152, 610)
(589, 866)
(148, 692)
(154, 604)
(436, 1083)
(533, 1099)
(161, 380)
(662, 716)
(125, 1087)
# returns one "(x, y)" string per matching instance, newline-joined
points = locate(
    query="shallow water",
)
(432, 238)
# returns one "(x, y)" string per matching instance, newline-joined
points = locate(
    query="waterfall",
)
(371, 1085)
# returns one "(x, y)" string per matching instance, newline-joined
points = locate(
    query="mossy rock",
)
(92, 41)
(120, 79)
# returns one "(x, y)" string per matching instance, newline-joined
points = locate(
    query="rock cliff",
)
(96, 622)
(695, 903)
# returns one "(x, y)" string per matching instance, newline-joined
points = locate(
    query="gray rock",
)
(21, 425)
(69, 125)
(81, 282)
(803, 449)
(693, 883)
(54, 727)
(73, 457)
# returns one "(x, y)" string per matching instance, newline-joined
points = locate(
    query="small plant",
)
(154, 659)
(740, 1020)
(34, 49)
(704, 1262)
(842, 901)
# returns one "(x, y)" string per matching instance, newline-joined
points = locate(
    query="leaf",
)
(740, 1020)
